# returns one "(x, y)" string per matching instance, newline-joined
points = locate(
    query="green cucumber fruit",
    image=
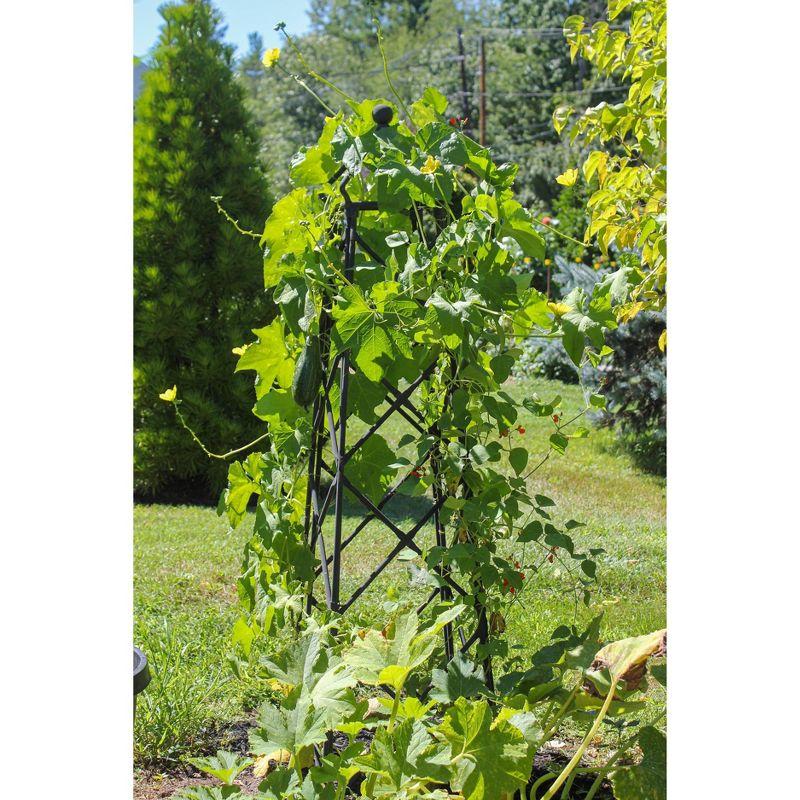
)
(307, 373)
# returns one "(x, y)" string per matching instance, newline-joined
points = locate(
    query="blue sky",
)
(241, 17)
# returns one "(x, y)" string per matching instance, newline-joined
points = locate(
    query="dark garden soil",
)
(167, 781)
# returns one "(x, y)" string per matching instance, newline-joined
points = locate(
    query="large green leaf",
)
(517, 225)
(488, 761)
(387, 657)
(307, 667)
(291, 727)
(269, 358)
(647, 780)
(401, 757)
(371, 333)
(209, 793)
(461, 679)
(369, 468)
(298, 665)
(290, 231)
(224, 766)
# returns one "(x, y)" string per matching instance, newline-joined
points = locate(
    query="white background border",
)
(734, 483)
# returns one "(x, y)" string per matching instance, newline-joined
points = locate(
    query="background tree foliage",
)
(197, 282)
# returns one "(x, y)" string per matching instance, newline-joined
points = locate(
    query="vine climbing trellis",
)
(328, 483)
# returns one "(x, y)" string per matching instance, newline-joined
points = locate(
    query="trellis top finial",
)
(382, 114)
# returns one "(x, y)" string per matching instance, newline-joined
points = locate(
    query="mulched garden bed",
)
(158, 785)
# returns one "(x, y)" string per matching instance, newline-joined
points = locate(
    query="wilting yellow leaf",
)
(662, 341)
(263, 765)
(628, 312)
(278, 686)
(625, 660)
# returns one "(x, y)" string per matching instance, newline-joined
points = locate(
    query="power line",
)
(550, 92)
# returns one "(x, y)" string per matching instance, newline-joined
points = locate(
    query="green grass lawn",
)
(187, 560)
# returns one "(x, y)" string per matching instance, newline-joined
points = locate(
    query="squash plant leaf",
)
(486, 761)
(209, 793)
(306, 667)
(461, 679)
(625, 659)
(224, 766)
(290, 727)
(387, 657)
(403, 756)
(647, 780)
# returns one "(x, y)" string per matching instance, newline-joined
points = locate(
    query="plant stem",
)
(575, 760)
(316, 76)
(221, 456)
(562, 235)
(235, 222)
(560, 713)
(394, 91)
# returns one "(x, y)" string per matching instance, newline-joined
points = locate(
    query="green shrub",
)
(634, 382)
(197, 281)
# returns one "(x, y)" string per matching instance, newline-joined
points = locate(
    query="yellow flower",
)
(577, 260)
(430, 166)
(559, 309)
(271, 57)
(568, 178)
(547, 262)
(169, 394)
(239, 351)
(526, 260)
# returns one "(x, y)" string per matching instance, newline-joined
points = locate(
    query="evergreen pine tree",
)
(198, 286)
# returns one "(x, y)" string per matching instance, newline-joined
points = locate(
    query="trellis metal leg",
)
(441, 541)
(351, 217)
(344, 367)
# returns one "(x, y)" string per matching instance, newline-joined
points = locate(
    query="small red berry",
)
(516, 564)
(513, 590)
(547, 220)
(555, 418)
(453, 120)
(550, 558)
(520, 429)
(504, 432)
(522, 575)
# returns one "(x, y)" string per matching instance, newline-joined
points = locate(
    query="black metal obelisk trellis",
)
(328, 483)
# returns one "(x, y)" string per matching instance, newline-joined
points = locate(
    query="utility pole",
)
(482, 93)
(465, 112)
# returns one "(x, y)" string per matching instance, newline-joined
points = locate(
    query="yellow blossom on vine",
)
(547, 262)
(568, 178)
(271, 57)
(169, 394)
(559, 309)
(430, 166)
